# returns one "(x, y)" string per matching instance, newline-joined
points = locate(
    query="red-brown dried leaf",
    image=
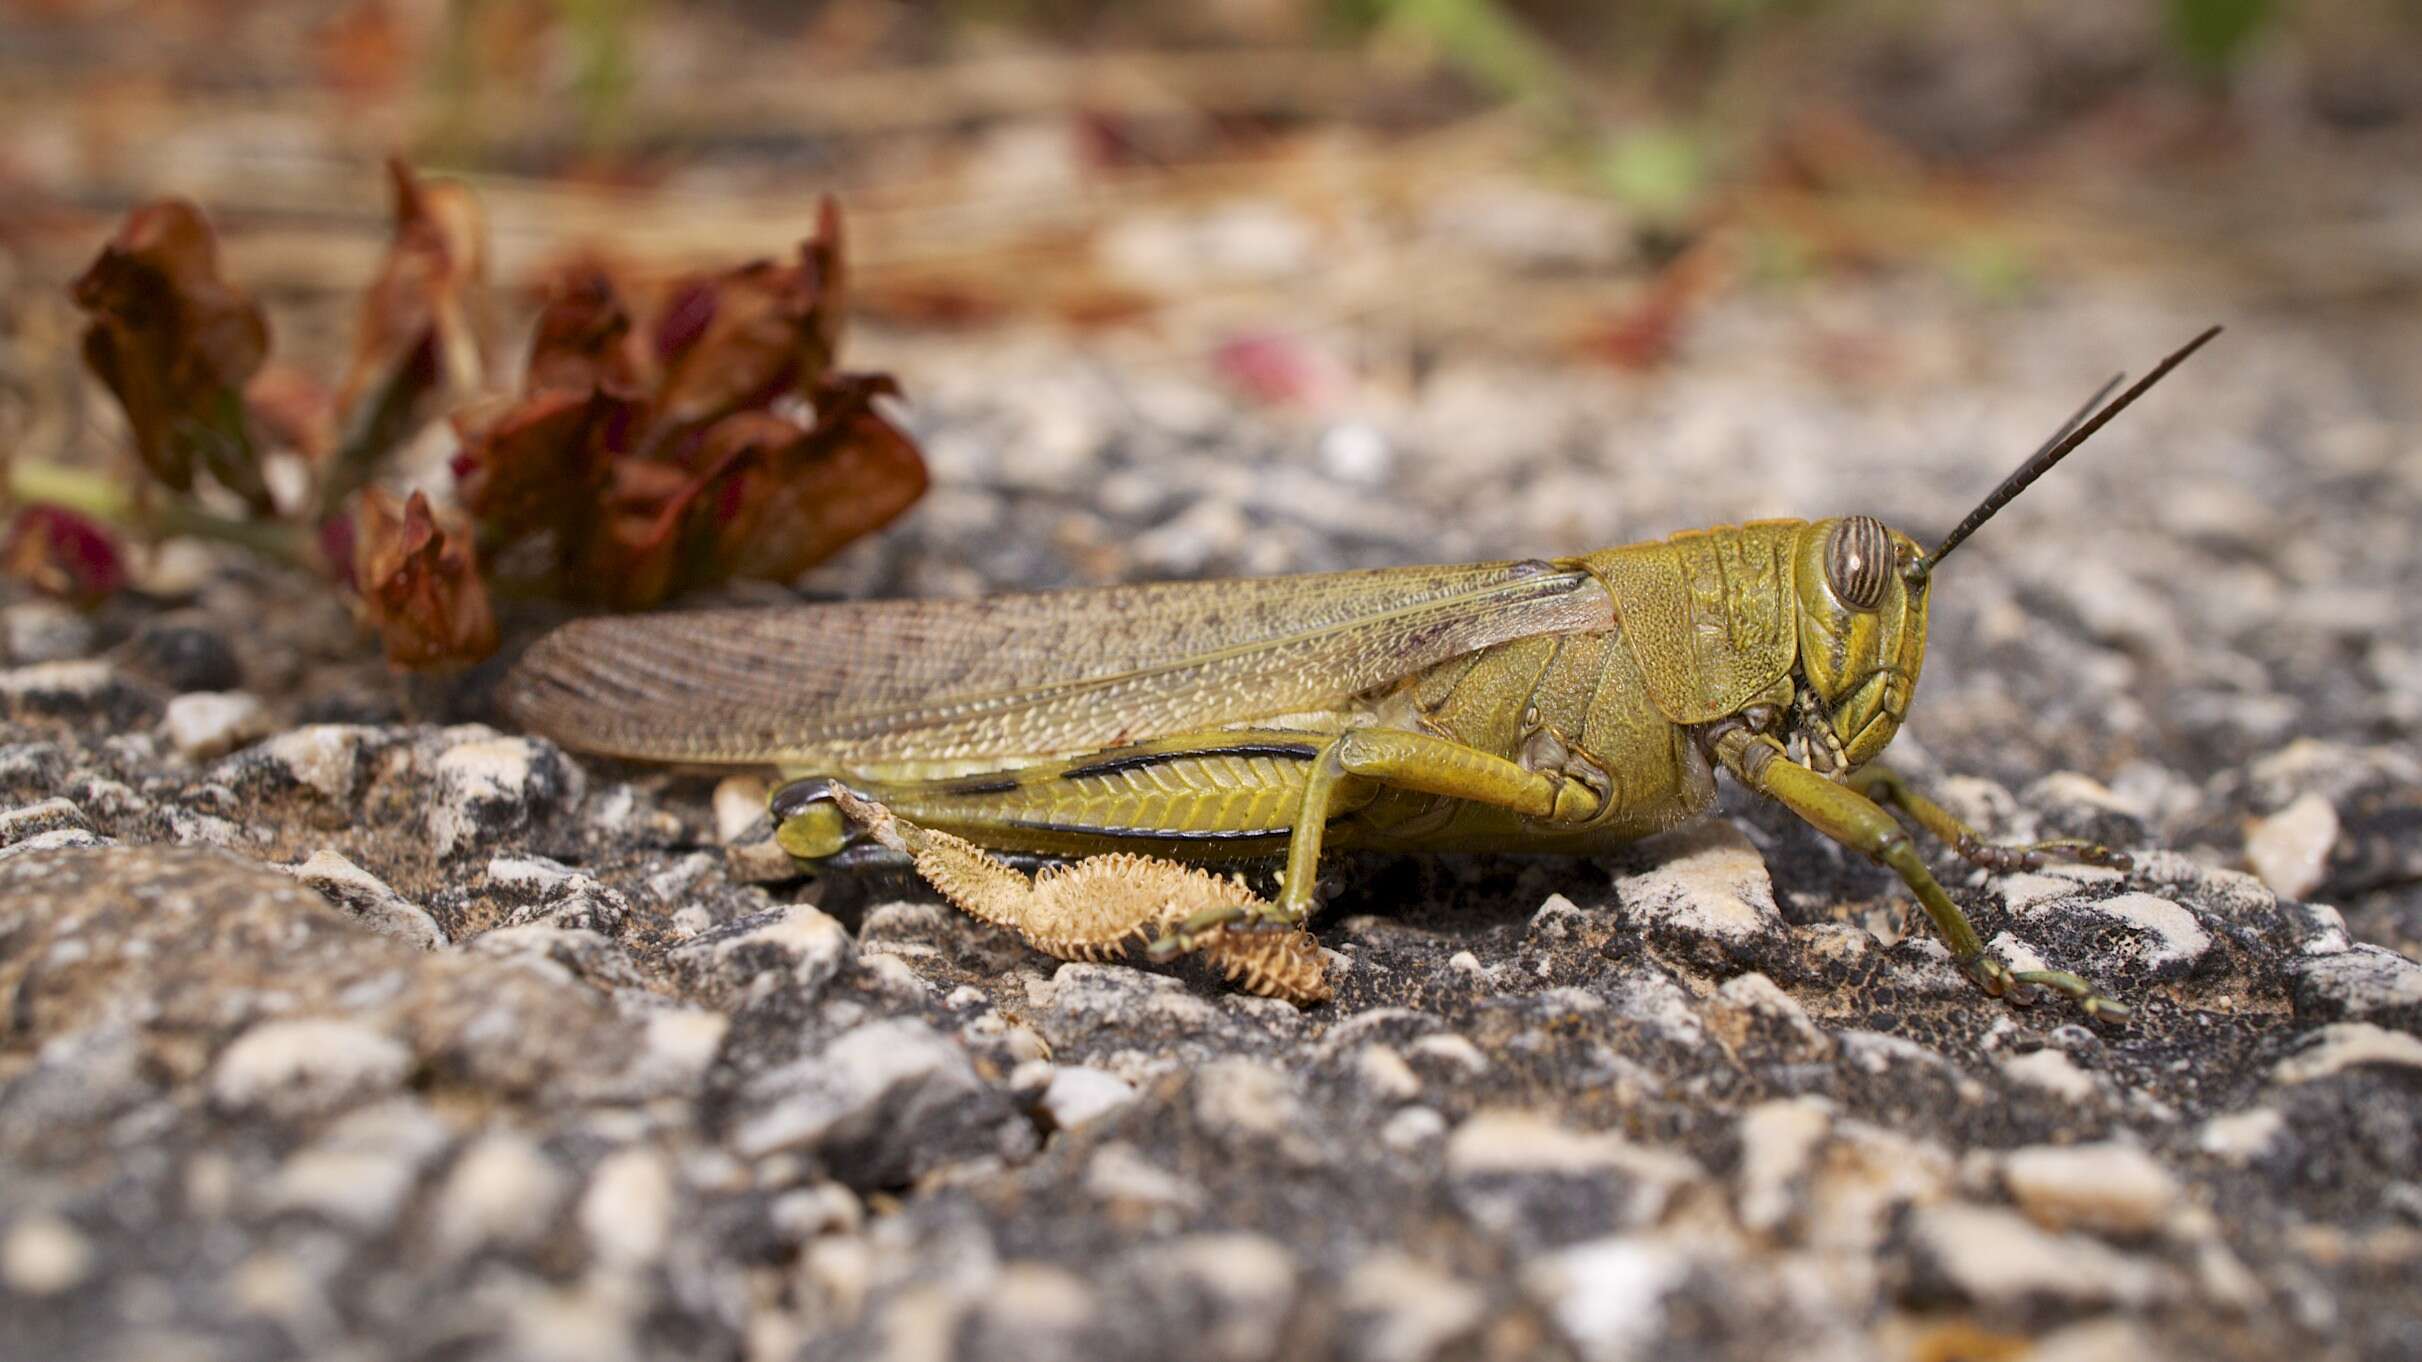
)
(629, 560)
(63, 554)
(854, 473)
(540, 463)
(741, 339)
(419, 583)
(417, 339)
(293, 409)
(584, 338)
(176, 343)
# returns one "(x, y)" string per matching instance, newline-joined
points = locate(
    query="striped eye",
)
(1858, 560)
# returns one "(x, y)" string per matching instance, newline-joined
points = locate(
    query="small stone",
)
(1398, 1309)
(368, 898)
(2343, 1045)
(739, 804)
(1250, 1100)
(795, 948)
(57, 839)
(1078, 1095)
(1779, 1142)
(87, 689)
(42, 1255)
(32, 820)
(759, 862)
(2361, 981)
(678, 1045)
(360, 1188)
(362, 1171)
(883, 1103)
(502, 1192)
(2178, 941)
(627, 1212)
(1752, 1010)
(1455, 1051)
(2290, 849)
(1083, 1000)
(811, 1212)
(45, 631)
(1711, 894)
(2241, 1137)
(183, 657)
(1518, 1173)
(2109, 1187)
(2053, 1072)
(1608, 1295)
(1231, 1292)
(326, 759)
(205, 724)
(2000, 1259)
(1557, 919)
(1385, 1076)
(488, 786)
(1118, 1173)
(1413, 1129)
(307, 1064)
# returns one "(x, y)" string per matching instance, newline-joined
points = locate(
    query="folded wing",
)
(1027, 675)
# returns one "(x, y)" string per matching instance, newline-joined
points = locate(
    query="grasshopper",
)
(1534, 706)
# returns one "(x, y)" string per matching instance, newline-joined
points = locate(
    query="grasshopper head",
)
(1862, 636)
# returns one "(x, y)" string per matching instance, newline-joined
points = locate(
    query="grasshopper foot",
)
(2005, 860)
(2019, 986)
(1188, 936)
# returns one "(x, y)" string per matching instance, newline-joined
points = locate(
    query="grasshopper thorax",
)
(1862, 627)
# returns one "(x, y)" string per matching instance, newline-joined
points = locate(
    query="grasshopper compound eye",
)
(1858, 561)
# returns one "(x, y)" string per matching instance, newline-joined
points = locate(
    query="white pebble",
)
(2343, 1045)
(502, 1191)
(202, 724)
(628, 1210)
(1609, 1294)
(2290, 849)
(43, 1255)
(739, 802)
(1078, 1095)
(2111, 1187)
(307, 1064)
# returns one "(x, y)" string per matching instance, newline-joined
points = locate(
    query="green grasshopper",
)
(1552, 706)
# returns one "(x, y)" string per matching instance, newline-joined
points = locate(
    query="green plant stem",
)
(165, 514)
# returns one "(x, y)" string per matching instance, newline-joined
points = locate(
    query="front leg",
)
(1857, 822)
(1889, 787)
(1360, 758)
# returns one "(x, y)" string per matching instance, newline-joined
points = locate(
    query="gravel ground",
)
(342, 1027)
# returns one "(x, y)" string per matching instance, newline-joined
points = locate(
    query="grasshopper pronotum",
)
(1560, 706)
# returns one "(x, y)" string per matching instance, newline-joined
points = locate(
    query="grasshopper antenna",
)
(2078, 429)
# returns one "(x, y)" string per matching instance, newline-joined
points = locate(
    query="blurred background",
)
(1261, 285)
(1379, 177)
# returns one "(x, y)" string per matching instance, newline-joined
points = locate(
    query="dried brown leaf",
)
(419, 583)
(418, 337)
(743, 338)
(176, 343)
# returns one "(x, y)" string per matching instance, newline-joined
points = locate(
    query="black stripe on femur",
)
(970, 786)
(1858, 561)
(1139, 761)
